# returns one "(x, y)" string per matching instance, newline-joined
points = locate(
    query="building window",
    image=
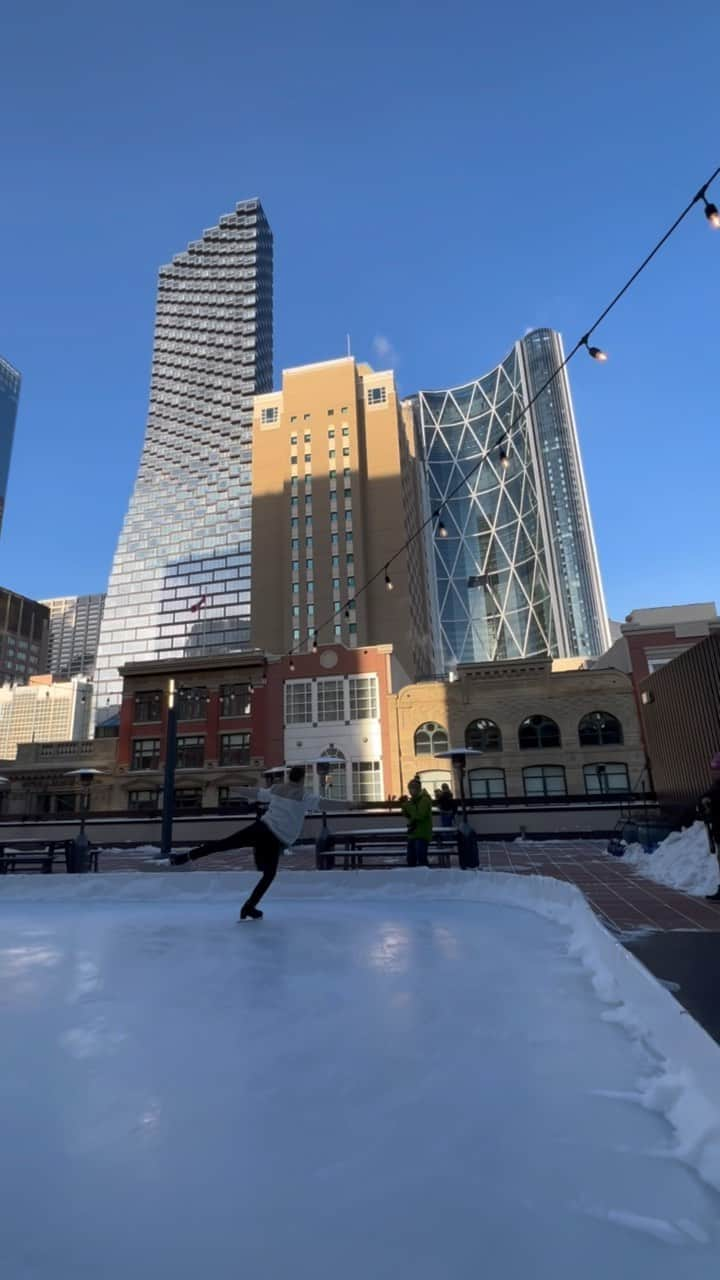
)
(335, 561)
(296, 634)
(331, 433)
(344, 408)
(293, 417)
(367, 782)
(307, 437)
(306, 417)
(331, 413)
(331, 700)
(308, 523)
(294, 544)
(308, 566)
(143, 801)
(310, 586)
(336, 586)
(331, 455)
(190, 751)
(147, 706)
(544, 780)
(268, 416)
(351, 583)
(296, 588)
(293, 460)
(296, 611)
(145, 753)
(338, 630)
(308, 543)
(603, 779)
(538, 732)
(347, 493)
(192, 704)
(298, 702)
(335, 782)
(234, 700)
(430, 738)
(483, 735)
(376, 395)
(600, 729)
(485, 783)
(188, 798)
(363, 694)
(346, 452)
(234, 748)
(293, 439)
(346, 431)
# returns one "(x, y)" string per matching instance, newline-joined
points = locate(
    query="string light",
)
(388, 580)
(597, 353)
(712, 214)
(504, 455)
(314, 643)
(292, 663)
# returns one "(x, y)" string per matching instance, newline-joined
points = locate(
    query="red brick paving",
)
(623, 900)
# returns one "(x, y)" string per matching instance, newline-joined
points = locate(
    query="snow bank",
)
(686, 1085)
(682, 861)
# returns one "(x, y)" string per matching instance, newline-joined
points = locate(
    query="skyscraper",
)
(9, 396)
(180, 580)
(74, 634)
(516, 569)
(334, 497)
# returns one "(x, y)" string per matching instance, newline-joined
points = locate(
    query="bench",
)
(31, 855)
(359, 845)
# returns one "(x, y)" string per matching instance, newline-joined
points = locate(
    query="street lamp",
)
(168, 804)
(81, 844)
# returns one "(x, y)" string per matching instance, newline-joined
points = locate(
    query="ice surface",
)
(353, 1088)
(682, 861)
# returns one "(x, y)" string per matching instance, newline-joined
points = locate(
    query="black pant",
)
(267, 849)
(417, 852)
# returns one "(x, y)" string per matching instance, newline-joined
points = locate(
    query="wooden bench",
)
(382, 844)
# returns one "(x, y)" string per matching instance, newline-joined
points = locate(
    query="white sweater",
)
(285, 813)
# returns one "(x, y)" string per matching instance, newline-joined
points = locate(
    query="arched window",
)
(430, 738)
(600, 729)
(544, 780)
(483, 735)
(485, 783)
(538, 732)
(606, 779)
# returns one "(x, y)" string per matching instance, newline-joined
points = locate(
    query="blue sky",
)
(442, 178)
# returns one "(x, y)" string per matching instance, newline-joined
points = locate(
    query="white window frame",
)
(356, 684)
(292, 697)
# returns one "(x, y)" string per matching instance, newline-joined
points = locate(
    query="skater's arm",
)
(253, 793)
(318, 803)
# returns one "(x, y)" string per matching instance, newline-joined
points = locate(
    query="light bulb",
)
(388, 581)
(712, 214)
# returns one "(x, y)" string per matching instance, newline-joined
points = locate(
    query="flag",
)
(198, 604)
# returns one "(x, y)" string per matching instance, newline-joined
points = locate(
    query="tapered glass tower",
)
(516, 570)
(180, 580)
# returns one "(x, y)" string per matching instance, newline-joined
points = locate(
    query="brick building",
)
(681, 718)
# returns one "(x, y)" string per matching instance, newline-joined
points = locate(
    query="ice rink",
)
(420, 1089)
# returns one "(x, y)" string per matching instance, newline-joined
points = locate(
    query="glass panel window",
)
(331, 700)
(537, 733)
(147, 706)
(363, 695)
(544, 780)
(485, 783)
(190, 751)
(145, 753)
(192, 703)
(310, 586)
(602, 779)
(298, 702)
(367, 782)
(377, 395)
(346, 431)
(331, 433)
(234, 700)
(307, 437)
(188, 798)
(234, 748)
(144, 800)
(430, 738)
(600, 729)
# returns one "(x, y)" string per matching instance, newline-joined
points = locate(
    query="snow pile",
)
(682, 861)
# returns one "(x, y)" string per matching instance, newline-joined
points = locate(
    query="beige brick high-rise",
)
(334, 496)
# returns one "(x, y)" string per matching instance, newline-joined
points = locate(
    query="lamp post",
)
(168, 806)
(77, 861)
(4, 782)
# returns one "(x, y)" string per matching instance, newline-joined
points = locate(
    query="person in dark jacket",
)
(445, 802)
(709, 810)
(418, 812)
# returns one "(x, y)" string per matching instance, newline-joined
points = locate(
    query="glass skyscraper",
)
(516, 570)
(9, 396)
(180, 579)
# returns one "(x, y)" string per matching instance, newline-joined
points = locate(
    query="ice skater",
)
(278, 829)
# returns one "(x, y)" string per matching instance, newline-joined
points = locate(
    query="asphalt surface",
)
(690, 960)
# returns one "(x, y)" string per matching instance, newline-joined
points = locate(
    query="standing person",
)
(709, 810)
(418, 811)
(446, 805)
(279, 827)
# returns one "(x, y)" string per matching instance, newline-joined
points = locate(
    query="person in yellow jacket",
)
(417, 809)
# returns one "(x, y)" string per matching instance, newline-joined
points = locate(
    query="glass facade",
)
(509, 562)
(9, 396)
(180, 580)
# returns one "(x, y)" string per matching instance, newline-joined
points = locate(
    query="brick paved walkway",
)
(624, 901)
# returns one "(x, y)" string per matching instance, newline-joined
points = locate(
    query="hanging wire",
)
(713, 216)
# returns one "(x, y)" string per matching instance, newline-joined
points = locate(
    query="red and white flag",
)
(194, 608)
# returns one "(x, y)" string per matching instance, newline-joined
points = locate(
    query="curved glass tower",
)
(180, 580)
(9, 395)
(516, 569)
